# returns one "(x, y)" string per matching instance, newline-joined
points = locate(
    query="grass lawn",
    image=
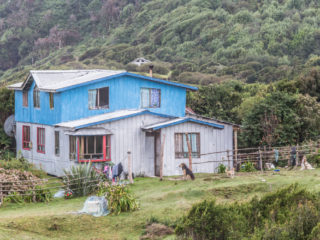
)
(165, 201)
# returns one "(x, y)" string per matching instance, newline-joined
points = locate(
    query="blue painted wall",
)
(124, 93)
(42, 115)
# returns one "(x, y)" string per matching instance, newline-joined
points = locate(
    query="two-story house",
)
(74, 116)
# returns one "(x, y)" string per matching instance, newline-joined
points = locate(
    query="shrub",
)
(89, 54)
(247, 167)
(289, 213)
(221, 168)
(119, 198)
(38, 195)
(314, 159)
(81, 180)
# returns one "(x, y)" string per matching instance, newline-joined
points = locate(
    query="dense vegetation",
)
(257, 41)
(264, 54)
(289, 213)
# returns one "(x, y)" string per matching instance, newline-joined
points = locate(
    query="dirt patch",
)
(156, 231)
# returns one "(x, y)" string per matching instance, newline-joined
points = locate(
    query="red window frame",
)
(41, 140)
(25, 137)
(106, 153)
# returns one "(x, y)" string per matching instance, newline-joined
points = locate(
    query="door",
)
(149, 154)
(157, 150)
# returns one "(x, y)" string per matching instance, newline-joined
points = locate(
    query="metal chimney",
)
(150, 70)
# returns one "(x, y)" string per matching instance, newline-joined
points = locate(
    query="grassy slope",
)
(165, 201)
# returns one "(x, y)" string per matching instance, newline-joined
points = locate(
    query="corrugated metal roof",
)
(176, 121)
(102, 118)
(60, 80)
(52, 80)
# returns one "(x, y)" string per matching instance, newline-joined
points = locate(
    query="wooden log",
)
(130, 167)
(161, 156)
(189, 151)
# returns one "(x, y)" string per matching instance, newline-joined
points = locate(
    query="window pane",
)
(194, 142)
(57, 143)
(145, 97)
(36, 97)
(72, 147)
(99, 144)
(90, 144)
(51, 100)
(185, 144)
(25, 98)
(103, 97)
(92, 98)
(155, 97)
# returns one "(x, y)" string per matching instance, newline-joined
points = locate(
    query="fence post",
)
(161, 156)
(297, 156)
(228, 159)
(1, 194)
(189, 151)
(34, 194)
(129, 167)
(260, 160)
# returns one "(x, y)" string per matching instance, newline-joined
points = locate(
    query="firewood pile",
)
(14, 180)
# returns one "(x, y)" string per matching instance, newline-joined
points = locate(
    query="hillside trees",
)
(267, 114)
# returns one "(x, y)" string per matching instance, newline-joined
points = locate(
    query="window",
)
(72, 147)
(51, 100)
(36, 97)
(98, 98)
(150, 97)
(25, 98)
(41, 140)
(181, 145)
(56, 143)
(26, 137)
(91, 148)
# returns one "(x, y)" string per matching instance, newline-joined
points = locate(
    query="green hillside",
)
(255, 41)
(258, 61)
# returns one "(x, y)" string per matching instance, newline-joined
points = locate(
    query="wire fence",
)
(30, 187)
(259, 156)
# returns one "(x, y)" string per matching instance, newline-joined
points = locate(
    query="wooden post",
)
(260, 160)
(189, 151)
(297, 156)
(129, 167)
(289, 157)
(228, 159)
(161, 156)
(235, 136)
(1, 194)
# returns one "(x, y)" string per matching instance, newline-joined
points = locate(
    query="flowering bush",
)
(68, 194)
